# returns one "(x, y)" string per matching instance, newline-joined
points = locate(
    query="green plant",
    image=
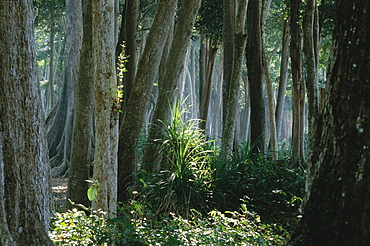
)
(185, 175)
(76, 228)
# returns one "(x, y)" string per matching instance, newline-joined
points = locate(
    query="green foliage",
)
(76, 228)
(271, 190)
(185, 176)
(210, 19)
(135, 225)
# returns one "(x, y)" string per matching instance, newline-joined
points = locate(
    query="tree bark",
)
(134, 117)
(128, 35)
(24, 165)
(206, 84)
(337, 212)
(280, 104)
(51, 64)
(173, 69)
(82, 153)
(59, 133)
(298, 86)
(106, 106)
(255, 73)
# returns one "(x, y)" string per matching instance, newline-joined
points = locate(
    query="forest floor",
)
(59, 194)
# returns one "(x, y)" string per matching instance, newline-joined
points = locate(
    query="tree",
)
(128, 33)
(49, 15)
(24, 165)
(299, 91)
(60, 123)
(82, 153)
(255, 72)
(283, 77)
(234, 44)
(134, 115)
(106, 105)
(174, 67)
(337, 211)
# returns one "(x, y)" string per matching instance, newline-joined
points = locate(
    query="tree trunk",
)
(51, 65)
(173, 69)
(280, 104)
(128, 35)
(82, 153)
(337, 212)
(134, 118)
(255, 73)
(206, 84)
(273, 145)
(310, 50)
(298, 87)
(59, 133)
(106, 106)
(24, 166)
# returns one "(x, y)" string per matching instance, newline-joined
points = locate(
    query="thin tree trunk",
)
(298, 87)
(106, 106)
(82, 153)
(280, 105)
(173, 71)
(51, 65)
(309, 48)
(210, 52)
(255, 73)
(133, 120)
(235, 14)
(128, 35)
(273, 146)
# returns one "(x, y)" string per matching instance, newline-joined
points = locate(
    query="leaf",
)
(92, 193)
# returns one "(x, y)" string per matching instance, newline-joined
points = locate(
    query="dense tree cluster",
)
(192, 104)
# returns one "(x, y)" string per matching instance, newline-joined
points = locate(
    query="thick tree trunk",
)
(337, 212)
(106, 106)
(24, 166)
(134, 118)
(255, 73)
(82, 153)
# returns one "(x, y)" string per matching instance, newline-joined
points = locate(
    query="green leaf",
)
(92, 193)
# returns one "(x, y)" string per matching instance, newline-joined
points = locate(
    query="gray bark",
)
(24, 166)
(280, 104)
(59, 130)
(106, 106)
(82, 153)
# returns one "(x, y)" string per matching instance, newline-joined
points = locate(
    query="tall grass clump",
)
(185, 175)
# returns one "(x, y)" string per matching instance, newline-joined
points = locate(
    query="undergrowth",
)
(196, 199)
